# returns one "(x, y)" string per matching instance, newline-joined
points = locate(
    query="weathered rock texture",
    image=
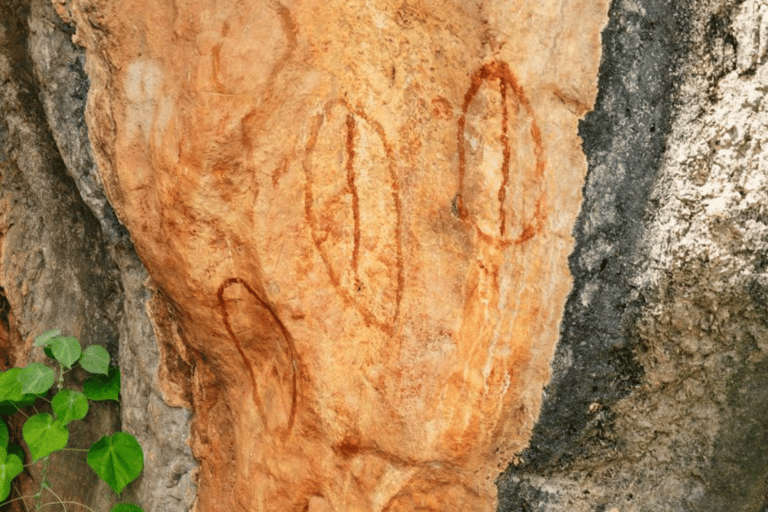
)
(659, 395)
(65, 262)
(52, 260)
(358, 217)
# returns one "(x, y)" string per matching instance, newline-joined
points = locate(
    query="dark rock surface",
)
(67, 263)
(657, 400)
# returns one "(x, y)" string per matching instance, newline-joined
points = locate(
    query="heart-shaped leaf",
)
(103, 387)
(117, 459)
(44, 435)
(10, 467)
(44, 339)
(95, 359)
(66, 350)
(69, 405)
(126, 507)
(10, 387)
(4, 435)
(36, 378)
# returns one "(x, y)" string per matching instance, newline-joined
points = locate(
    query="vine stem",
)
(18, 491)
(43, 478)
(19, 410)
(60, 380)
(69, 503)
(59, 502)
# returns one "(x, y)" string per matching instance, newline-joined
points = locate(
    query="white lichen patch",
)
(146, 106)
(705, 244)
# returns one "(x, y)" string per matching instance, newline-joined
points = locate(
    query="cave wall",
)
(67, 263)
(657, 393)
(657, 400)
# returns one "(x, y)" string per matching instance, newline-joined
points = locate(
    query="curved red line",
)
(350, 147)
(238, 345)
(507, 156)
(368, 316)
(492, 71)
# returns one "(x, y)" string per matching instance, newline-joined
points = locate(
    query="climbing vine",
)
(117, 459)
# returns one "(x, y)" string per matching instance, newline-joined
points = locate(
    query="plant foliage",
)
(117, 459)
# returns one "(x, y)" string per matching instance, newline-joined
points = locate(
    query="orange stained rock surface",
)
(357, 216)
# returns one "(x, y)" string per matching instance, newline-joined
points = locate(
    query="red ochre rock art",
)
(505, 206)
(267, 351)
(367, 268)
(353, 208)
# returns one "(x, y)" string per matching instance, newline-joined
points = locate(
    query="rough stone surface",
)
(357, 216)
(65, 262)
(657, 399)
(658, 396)
(53, 266)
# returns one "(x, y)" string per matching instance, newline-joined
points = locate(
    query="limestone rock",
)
(357, 216)
(66, 263)
(658, 397)
(252, 151)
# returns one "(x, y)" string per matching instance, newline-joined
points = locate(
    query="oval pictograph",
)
(501, 178)
(267, 351)
(352, 204)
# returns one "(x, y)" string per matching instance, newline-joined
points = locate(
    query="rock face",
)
(327, 244)
(357, 216)
(67, 263)
(52, 258)
(658, 394)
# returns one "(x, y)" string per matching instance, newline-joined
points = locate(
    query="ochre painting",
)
(361, 213)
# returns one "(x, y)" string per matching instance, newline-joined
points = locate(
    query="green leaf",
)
(117, 459)
(16, 450)
(66, 350)
(69, 405)
(44, 435)
(4, 437)
(8, 408)
(126, 507)
(10, 387)
(10, 467)
(95, 359)
(44, 339)
(36, 378)
(103, 387)
(11, 396)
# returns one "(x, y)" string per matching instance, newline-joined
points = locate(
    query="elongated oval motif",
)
(501, 177)
(267, 351)
(353, 209)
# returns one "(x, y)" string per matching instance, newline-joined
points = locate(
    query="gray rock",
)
(67, 263)
(659, 391)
